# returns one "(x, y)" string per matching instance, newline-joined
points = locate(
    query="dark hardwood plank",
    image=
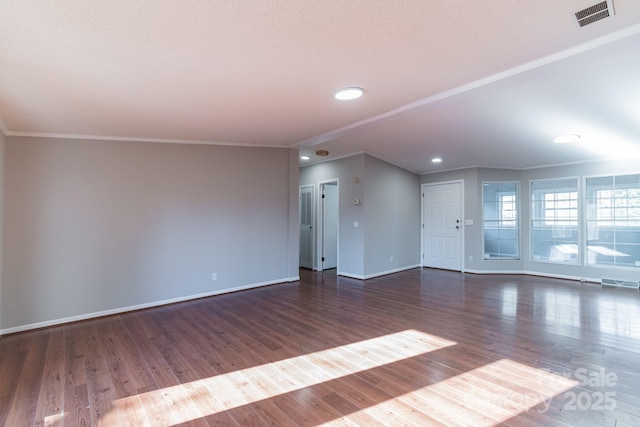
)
(11, 366)
(51, 397)
(27, 391)
(76, 394)
(421, 347)
(100, 385)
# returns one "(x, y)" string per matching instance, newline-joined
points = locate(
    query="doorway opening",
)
(307, 216)
(328, 225)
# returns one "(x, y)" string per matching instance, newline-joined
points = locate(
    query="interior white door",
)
(306, 227)
(329, 226)
(442, 225)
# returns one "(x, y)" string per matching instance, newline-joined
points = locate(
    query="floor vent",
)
(594, 13)
(626, 284)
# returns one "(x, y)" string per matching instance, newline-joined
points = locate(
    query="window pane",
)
(554, 220)
(613, 220)
(501, 225)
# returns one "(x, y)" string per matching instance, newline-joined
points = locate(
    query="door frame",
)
(423, 187)
(320, 225)
(313, 219)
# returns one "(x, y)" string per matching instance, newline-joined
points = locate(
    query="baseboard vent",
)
(594, 13)
(626, 284)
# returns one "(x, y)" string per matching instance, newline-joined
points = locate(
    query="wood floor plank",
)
(418, 348)
(10, 370)
(51, 397)
(76, 406)
(76, 395)
(27, 391)
(100, 385)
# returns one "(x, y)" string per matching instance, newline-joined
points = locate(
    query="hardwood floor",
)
(422, 347)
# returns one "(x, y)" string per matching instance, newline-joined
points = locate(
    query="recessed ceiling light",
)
(436, 160)
(564, 139)
(304, 157)
(349, 93)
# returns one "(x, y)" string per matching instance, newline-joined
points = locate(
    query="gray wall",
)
(388, 214)
(2, 149)
(92, 227)
(293, 234)
(392, 217)
(474, 177)
(350, 174)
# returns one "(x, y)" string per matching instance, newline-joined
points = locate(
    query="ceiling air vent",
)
(594, 13)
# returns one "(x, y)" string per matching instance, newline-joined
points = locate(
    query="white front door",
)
(306, 226)
(442, 225)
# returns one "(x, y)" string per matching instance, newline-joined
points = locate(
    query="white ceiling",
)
(477, 83)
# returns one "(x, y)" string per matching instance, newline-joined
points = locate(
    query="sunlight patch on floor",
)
(189, 401)
(486, 396)
(54, 420)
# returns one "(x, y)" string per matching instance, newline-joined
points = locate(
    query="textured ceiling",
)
(478, 83)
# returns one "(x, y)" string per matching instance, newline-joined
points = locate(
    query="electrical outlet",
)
(391, 259)
(470, 258)
(214, 276)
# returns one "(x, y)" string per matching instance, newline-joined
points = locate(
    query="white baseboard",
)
(493, 271)
(526, 272)
(351, 275)
(535, 273)
(562, 276)
(378, 274)
(119, 310)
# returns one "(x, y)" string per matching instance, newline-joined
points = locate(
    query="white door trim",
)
(313, 218)
(319, 224)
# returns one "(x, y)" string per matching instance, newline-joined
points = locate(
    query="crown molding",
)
(528, 66)
(50, 135)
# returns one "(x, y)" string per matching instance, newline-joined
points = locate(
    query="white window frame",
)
(585, 225)
(578, 224)
(516, 223)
